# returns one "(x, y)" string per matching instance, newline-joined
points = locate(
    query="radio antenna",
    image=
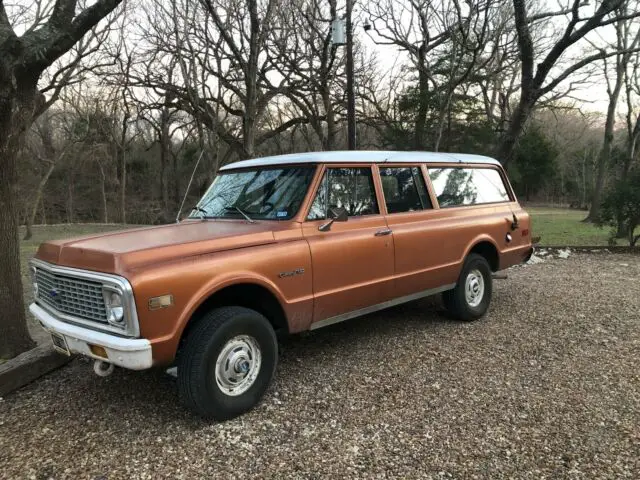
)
(189, 186)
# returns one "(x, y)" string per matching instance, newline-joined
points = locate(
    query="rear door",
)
(421, 243)
(353, 262)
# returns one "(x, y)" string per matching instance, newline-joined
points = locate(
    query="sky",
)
(590, 94)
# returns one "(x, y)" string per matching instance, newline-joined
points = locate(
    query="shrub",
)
(534, 164)
(621, 206)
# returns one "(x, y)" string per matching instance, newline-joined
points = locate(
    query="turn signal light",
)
(98, 350)
(163, 301)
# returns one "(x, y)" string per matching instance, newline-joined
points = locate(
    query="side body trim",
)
(380, 306)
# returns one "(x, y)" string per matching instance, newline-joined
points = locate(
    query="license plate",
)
(60, 344)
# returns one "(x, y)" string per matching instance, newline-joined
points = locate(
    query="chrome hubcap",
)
(474, 288)
(238, 365)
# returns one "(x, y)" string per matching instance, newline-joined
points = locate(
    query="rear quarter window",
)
(459, 186)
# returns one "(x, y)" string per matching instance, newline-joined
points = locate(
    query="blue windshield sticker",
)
(282, 213)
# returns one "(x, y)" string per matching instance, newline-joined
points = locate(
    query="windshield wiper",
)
(241, 212)
(201, 210)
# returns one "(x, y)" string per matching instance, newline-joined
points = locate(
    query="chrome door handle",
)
(382, 233)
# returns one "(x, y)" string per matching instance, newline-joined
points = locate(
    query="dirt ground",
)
(546, 386)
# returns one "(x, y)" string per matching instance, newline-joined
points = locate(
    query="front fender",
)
(193, 281)
(220, 282)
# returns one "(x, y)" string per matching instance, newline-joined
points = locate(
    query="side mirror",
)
(337, 214)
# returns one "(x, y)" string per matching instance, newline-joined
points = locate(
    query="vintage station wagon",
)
(280, 245)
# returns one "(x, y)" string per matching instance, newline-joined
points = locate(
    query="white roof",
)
(362, 156)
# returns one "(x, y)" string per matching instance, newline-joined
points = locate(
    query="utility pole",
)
(351, 101)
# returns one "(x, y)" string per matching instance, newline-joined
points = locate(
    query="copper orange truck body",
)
(412, 221)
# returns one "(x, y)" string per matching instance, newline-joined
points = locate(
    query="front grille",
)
(76, 297)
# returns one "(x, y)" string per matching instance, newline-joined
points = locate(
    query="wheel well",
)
(489, 252)
(245, 295)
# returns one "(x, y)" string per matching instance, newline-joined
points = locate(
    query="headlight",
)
(115, 308)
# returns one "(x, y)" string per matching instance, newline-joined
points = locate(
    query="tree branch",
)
(582, 63)
(63, 12)
(283, 128)
(525, 43)
(45, 45)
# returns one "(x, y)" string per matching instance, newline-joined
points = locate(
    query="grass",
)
(561, 226)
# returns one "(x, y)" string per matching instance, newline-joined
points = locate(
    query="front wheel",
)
(471, 297)
(227, 363)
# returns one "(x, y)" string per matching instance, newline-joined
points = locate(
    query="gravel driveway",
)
(547, 385)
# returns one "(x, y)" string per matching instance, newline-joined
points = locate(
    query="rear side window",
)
(348, 188)
(467, 186)
(404, 189)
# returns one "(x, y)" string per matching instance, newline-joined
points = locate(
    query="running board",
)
(380, 306)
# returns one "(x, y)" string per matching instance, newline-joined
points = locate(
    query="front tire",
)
(227, 362)
(471, 297)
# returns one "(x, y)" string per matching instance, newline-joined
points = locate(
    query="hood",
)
(119, 252)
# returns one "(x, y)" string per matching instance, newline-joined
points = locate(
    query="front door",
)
(352, 262)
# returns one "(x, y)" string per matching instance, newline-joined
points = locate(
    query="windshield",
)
(264, 194)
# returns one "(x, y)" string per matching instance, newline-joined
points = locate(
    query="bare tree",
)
(538, 70)
(418, 28)
(228, 76)
(627, 41)
(48, 154)
(23, 60)
(163, 132)
(307, 53)
(632, 116)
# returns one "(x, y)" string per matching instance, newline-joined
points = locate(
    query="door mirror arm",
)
(337, 214)
(325, 227)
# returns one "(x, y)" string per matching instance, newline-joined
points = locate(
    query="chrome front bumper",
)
(131, 353)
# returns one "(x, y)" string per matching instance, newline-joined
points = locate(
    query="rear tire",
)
(471, 297)
(227, 362)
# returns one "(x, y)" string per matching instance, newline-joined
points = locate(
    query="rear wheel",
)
(471, 297)
(227, 363)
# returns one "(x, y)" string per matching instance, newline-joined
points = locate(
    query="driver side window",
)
(348, 188)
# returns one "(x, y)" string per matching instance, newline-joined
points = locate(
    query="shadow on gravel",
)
(425, 314)
(123, 399)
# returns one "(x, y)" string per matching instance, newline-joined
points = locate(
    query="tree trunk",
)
(596, 197)
(70, 201)
(583, 200)
(330, 138)
(123, 185)
(103, 193)
(445, 113)
(31, 218)
(14, 335)
(248, 133)
(28, 224)
(122, 153)
(509, 141)
(605, 152)
(164, 170)
(105, 207)
(421, 117)
(43, 213)
(15, 118)
(23, 59)
(176, 181)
